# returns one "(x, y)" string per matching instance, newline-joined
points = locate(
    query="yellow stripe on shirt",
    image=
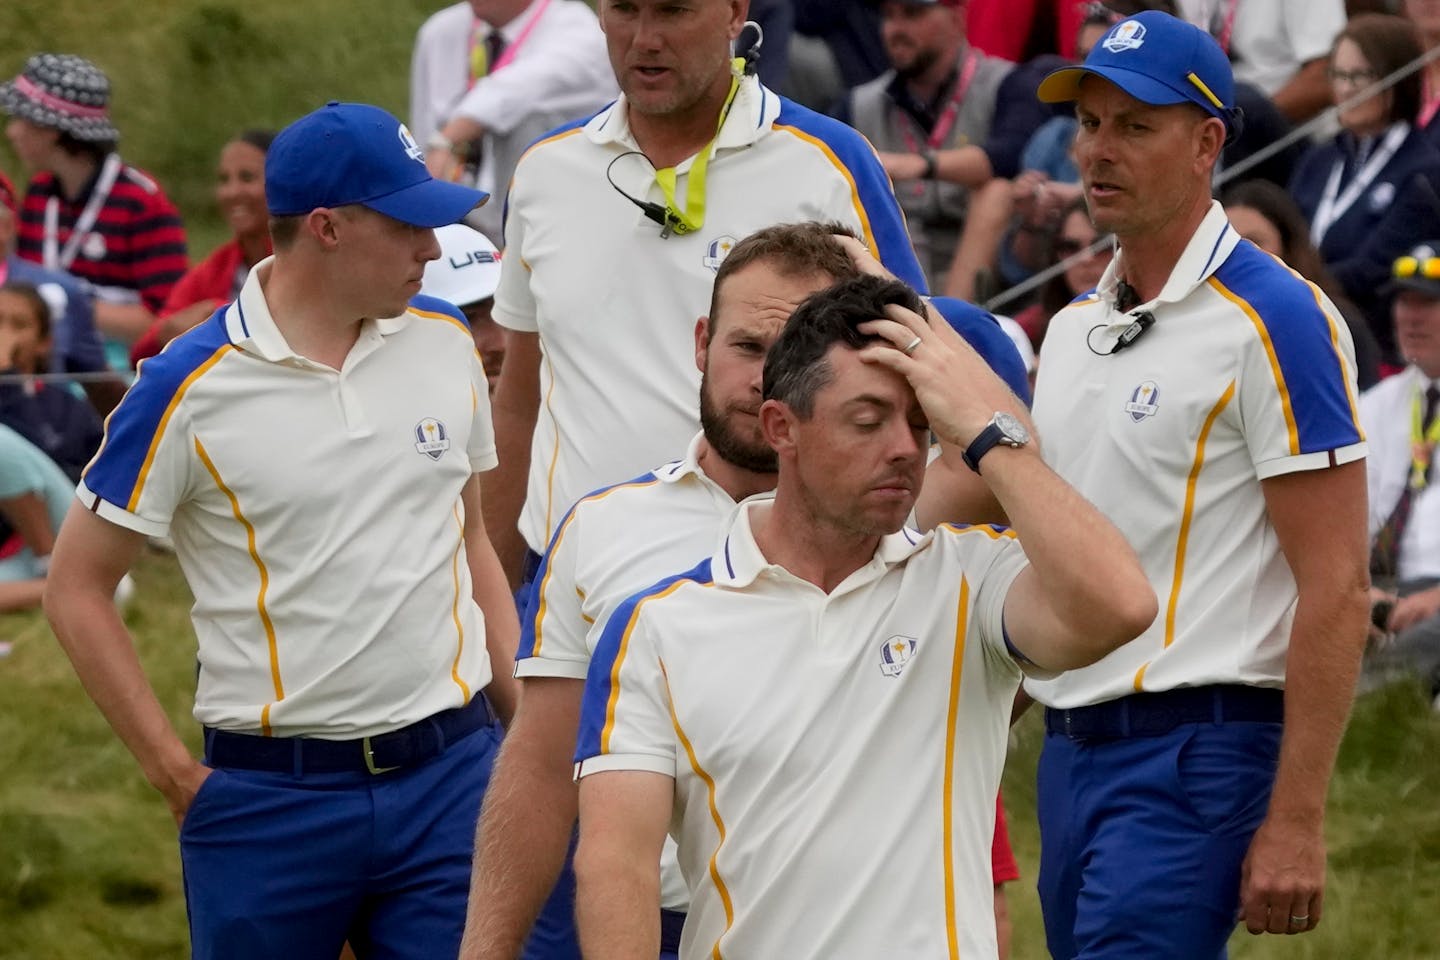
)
(1249, 310)
(170, 408)
(260, 603)
(860, 212)
(947, 810)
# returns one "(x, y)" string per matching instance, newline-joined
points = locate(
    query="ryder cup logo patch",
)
(718, 250)
(1130, 35)
(1144, 401)
(412, 149)
(895, 653)
(431, 438)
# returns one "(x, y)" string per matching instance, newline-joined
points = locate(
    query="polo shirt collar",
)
(686, 466)
(739, 561)
(1209, 247)
(751, 116)
(250, 326)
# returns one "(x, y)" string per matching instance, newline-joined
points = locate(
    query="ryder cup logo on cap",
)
(353, 153)
(1159, 60)
(1129, 35)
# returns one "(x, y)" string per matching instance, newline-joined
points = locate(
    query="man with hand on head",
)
(1203, 397)
(624, 537)
(354, 640)
(615, 229)
(766, 703)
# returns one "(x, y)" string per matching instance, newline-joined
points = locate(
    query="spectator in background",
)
(216, 280)
(943, 119)
(1360, 190)
(1276, 45)
(1071, 245)
(1399, 417)
(1425, 14)
(466, 275)
(34, 496)
(75, 345)
(61, 424)
(1264, 214)
(489, 77)
(86, 211)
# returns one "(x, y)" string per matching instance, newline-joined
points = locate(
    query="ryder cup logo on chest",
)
(1144, 401)
(431, 438)
(895, 653)
(718, 250)
(1130, 35)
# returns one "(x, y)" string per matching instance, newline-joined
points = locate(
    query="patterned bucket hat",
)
(62, 91)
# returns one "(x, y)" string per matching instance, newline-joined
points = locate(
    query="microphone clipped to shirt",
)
(1127, 298)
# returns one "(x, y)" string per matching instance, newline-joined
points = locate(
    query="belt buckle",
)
(370, 759)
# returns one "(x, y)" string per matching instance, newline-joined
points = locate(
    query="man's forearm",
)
(520, 845)
(617, 903)
(503, 490)
(122, 321)
(1321, 668)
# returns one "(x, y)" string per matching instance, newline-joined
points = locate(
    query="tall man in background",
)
(615, 230)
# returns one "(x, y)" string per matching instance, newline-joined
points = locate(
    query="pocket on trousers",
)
(203, 800)
(1224, 774)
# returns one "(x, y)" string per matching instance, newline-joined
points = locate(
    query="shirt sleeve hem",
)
(1310, 461)
(665, 766)
(119, 516)
(547, 667)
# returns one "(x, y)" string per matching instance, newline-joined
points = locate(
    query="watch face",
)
(1015, 432)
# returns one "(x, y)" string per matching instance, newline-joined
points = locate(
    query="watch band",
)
(981, 445)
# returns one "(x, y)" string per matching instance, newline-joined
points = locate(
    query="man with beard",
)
(625, 537)
(819, 710)
(931, 119)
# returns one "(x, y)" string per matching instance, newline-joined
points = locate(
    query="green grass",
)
(89, 865)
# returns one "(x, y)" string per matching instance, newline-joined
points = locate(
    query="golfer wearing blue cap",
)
(1203, 396)
(312, 449)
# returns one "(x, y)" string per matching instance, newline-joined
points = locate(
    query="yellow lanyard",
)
(692, 218)
(1422, 442)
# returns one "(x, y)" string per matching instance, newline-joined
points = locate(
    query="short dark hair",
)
(796, 368)
(1388, 43)
(794, 249)
(31, 295)
(259, 139)
(284, 230)
(96, 150)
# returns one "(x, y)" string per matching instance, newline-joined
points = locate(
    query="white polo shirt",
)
(1246, 374)
(612, 544)
(316, 514)
(836, 757)
(615, 305)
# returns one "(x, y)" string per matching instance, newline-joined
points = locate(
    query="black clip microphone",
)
(752, 54)
(656, 212)
(1126, 299)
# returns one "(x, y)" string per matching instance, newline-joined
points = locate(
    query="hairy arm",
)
(91, 555)
(624, 815)
(525, 826)
(492, 594)
(515, 406)
(1319, 519)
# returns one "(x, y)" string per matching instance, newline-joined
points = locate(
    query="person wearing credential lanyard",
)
(934, 106)
(1357, 189)
(488, 77)
(616, 226)
(86, 211)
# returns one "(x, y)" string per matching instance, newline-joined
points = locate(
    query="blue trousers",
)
(1142, 838)
(284, 866)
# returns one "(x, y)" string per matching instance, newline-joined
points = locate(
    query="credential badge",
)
(431, 438)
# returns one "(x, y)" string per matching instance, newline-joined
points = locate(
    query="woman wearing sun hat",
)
(86, 211)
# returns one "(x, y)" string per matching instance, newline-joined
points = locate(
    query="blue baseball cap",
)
(1157, 59)
(349, 153)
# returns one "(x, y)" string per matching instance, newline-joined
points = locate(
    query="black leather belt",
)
(381, 753)
(1153, 714)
